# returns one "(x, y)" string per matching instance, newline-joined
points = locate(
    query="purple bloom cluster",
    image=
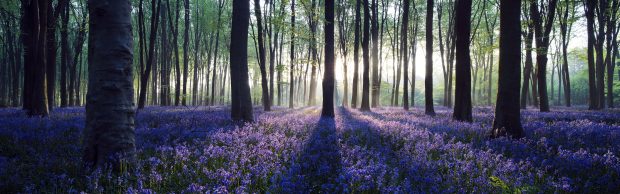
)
(389, 150)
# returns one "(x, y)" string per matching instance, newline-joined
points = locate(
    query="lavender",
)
(200, 150)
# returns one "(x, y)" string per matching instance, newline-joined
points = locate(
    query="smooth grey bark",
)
(109, 137)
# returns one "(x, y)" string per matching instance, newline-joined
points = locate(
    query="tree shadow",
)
(318, 167)
(364, 133)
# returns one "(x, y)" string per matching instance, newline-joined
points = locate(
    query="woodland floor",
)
(199, 150)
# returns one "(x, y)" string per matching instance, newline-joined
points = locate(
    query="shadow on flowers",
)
(319, 164)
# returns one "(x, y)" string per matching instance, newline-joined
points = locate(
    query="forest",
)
(309, 96)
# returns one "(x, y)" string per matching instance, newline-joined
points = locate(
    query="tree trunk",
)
(404, 53)
(365, 77)
(428, 82)
(109, 134)
(593, 89)
(151, 55)
(291, 93)
(375, 91)
(215, 55)
(197, 38)
(165, 58)
(507, 121)
(241, 101)
(462, 104)
(598, 45)
(542, 45)
(185, 55)
(64, 56)
(356, 43)
(50, 74)
(611, 36)
(328, 76)
(343, 32)
(314, 53)
(34, 25)
(261, 58)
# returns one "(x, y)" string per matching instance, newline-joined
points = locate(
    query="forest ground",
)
(199, 149)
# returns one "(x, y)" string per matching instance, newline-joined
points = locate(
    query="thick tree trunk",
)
(365, 77)
(507, 121)
(109, 134)
(34, 25)
(462, 104)
(328, 77)
(241, 101)
(428, 82)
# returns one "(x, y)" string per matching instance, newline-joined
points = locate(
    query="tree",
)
(404, 53)
(507, 121)
(589, 7)
(185, 55)
(374, 31)
(365, 77)
(241, 101)
(344, 49)
(328, 77)
(428, 82)
(109, 134)
(151, 54)
(313, 23)
(462, 104)
(356, 49)
(50, 74)
(566, 19)
(217, 46)
(542, 44)
(610, 38)
(528, 35)
(33, 35)
(261, 59)
(292, 53)
(64, 55)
